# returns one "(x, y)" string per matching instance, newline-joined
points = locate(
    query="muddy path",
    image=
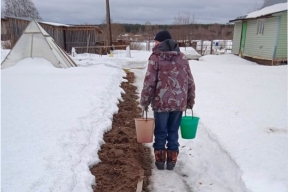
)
(122, 157)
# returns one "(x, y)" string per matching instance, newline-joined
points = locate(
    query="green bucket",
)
(189, 126)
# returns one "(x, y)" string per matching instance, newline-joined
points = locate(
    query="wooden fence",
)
(64, 35)
(101, 50)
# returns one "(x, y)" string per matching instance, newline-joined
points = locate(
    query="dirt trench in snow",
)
(122, 157)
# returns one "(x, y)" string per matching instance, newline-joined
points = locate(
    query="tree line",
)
(184, 27)
(178, 32)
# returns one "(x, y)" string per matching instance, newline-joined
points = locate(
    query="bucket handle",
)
(192, 113)
(143, 114)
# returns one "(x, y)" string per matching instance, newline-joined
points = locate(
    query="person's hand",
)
(188, 106)
(144, 108)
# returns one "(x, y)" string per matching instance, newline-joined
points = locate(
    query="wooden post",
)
(88, 39)
(149, 43)
(31, 51)
(108, 24)
(64, 40)
(202, 47)
(211, 51)
(140, 181)
(185, 43)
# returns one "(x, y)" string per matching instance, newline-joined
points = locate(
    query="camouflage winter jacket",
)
(168, 84)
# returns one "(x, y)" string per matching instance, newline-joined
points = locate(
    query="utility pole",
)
(109, 35)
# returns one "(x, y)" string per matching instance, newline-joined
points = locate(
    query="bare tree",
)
(185, 18)
(104, 20)
(257, 5)
(148, 27)
(117, 31)
(116, 28)
(21, 8)
(148, 31)
(155, 29)
(183, 24)
(104, 28)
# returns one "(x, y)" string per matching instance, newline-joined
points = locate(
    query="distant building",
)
(262, 34)
(66, 36)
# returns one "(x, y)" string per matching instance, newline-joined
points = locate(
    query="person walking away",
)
(170, 89)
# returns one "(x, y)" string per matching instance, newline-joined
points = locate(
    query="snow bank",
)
(243, 107)
(138, 59)
(53, 121)
(241, 143)
(190, 53)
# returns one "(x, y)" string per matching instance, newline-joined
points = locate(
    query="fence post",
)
(88, 39)
(211, 48)
(202, 47)
(128, 53)
(149, 43)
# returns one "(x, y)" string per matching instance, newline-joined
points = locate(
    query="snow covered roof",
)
(21, 18)
(268, 10)
(54, 24)
(240, 17)
(276, 8)
(38, 20)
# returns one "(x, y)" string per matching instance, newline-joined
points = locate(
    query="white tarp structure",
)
(36, 42)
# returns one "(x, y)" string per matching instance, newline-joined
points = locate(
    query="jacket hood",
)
(167, 49)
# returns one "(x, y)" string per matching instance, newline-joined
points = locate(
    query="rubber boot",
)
(160, 158)
(171, 159)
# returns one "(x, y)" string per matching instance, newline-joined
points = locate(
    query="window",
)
(260, 26)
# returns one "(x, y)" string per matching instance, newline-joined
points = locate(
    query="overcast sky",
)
(140, 11)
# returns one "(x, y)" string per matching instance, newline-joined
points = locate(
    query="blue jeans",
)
(166, 130)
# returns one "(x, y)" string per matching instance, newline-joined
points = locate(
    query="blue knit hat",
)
(162, 36)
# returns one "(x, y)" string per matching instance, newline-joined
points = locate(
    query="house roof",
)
(21, 18)
(38, 20)
(280, 7)
(268, 10)
(54, 24)
(238, 18)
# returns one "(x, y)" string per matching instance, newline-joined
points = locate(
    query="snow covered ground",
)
(53, 120)
(242, 140)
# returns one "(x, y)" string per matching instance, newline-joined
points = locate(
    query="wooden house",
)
(262, 35)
